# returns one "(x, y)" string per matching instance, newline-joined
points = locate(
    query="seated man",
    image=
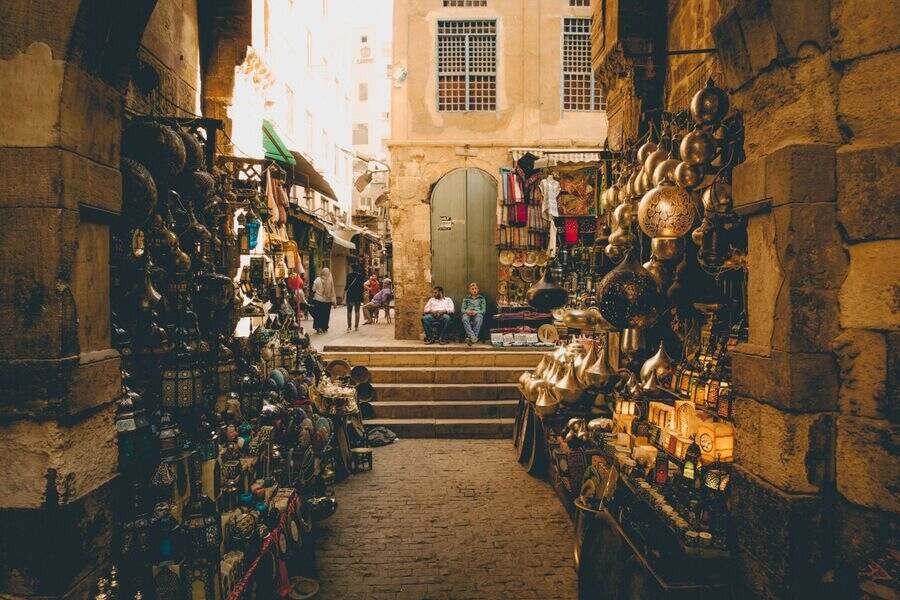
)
(381, 299)
(436, 316)
(473, 308)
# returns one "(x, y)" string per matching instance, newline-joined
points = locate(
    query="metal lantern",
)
(168, 437)
(182, 379)
(691, 465)
(629, 296)
(202, 535)
(134, 435)
(666, 211)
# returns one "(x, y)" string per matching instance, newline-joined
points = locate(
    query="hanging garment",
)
(571, 231)
(549, 209)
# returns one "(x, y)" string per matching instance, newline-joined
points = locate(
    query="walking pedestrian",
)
(353, 290)
(323, 299)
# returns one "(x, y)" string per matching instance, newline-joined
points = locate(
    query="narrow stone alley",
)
(441, 519)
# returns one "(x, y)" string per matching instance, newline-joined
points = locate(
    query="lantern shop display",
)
(226, 461)
(639, 394)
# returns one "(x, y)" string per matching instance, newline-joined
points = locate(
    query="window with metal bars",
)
(449, 3)
(467, 65)
(579, 90)
(579, 2)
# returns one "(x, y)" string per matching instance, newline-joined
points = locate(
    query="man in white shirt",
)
(436, 316)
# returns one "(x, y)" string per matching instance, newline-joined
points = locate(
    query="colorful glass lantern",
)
(691, 467)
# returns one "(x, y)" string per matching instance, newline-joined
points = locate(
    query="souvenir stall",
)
(632, 419)
(226, 449)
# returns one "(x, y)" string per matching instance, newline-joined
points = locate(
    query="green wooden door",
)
(463, 219)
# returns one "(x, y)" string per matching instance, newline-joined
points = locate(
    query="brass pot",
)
(599, 374)
(532, 387)
(646, 150)
(545, 404)
(688, 176)
(665, 170)
(657, 370)
(655, 159)
(586, 363)
(567, 388)
(697, 147)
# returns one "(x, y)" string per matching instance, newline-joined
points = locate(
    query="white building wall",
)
(299, 76)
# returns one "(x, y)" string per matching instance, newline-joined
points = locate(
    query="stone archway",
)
(63, 68)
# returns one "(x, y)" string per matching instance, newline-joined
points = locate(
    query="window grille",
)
(579, 2)
(449, 3)
(580, 91)
(467, 65)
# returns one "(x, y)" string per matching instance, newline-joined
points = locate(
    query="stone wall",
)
(65, 68)
(816, 485)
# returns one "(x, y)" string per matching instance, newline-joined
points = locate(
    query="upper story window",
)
(363, 92)
(467, 65)
(449, 3)
(579, 90)
(360, 134)
(579, 2)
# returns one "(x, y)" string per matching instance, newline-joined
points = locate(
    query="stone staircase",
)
(449, 391)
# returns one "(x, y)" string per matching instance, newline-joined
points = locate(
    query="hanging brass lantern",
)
(709, 105)
(628, 295)
(697, 148)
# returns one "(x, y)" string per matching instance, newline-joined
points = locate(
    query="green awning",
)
(274, 146)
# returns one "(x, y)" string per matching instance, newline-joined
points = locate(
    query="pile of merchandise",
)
(227, 456)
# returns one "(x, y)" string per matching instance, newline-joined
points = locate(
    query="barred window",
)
(579, 90)
(449, 3)
(467, 65)
(579, 2)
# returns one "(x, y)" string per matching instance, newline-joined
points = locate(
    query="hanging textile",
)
(578, 190)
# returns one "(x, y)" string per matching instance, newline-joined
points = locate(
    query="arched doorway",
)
(463, 220)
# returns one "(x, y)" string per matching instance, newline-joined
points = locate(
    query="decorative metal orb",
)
(632, 185)
(158, 147)
(665, 171)
(629, 296)
(697, 147)
(646, 150)
(655, 159)
(666, 248)
(709, 105)
(624, 190)
(625, 215)
(688, 176)
(139, 195)
(666, 211)
(717, 197)
(646, 182)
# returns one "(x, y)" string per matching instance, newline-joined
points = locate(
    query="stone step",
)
(447, 428)
(423, 392)
(441, 348)
(383, 375)
(445, 409)
(524, 360)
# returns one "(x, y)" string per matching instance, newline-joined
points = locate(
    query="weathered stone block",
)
(809, 246)
(90, 286)
(868, 201)
(862, 357)
(90, 117)
(792, 381)
(764, 278)
(801, 23)
(870, 295)
(749, 182)
(791, 451)
(863, 27)
(866, 98)
(786, 534)
(805, 320)
(892, 400)
(57, 545)
(801, 173)
(866, 457)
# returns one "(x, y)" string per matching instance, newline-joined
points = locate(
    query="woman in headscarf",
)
(322, 300)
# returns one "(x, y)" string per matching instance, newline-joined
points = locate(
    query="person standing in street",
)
(323, 299)
(436, 316)
(353, 290)
(473, 309)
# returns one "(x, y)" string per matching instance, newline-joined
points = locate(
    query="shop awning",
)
(274, 146)
(305, 174)
(341, 241)
(549, 157)
(304, 216)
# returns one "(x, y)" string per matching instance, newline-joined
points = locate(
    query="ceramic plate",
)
(506, 257)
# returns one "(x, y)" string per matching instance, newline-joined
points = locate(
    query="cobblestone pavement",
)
(446, 519)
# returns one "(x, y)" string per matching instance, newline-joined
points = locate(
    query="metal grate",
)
(449, 3)
(579, 90)
(467, 65)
